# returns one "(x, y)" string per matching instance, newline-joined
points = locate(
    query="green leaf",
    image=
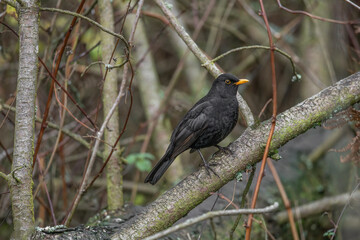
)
(142, 161)
(329, 233)
(143, 165)
(131, 158)
(239, 177)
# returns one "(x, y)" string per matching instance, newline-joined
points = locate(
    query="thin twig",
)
(343, 210)
(353, 4)
(51, 90)
(318, 207)
(67, 132)
(243, 199)
(285, 199)
(314, 16)
(84, 186)
(259, 47)
(52, 76)
(47, 193)
(222, 196)
(213, 214)
(264, 107)
(6, 152)
(89, 20)
(107, 66)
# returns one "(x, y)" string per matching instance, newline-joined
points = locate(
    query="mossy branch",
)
(247, 150)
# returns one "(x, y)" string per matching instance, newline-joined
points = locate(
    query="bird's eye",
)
(227, 81)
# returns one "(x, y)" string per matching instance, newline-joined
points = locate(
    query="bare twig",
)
(314, 16)
(213, 214)
(222, 196)
(243, 199)
(353, 4)
(52, 76)
(259, 47)
(343, 210)
(99, 134)
(107, 66)
(89, 20)
(285, 199)
(47, 193)
(264, 107)
(51, 90)
(319, 206)
(6, 152)
(67, 132)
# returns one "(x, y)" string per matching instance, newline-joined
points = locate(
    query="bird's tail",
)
(160, 168)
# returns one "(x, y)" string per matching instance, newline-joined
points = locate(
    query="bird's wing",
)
(190, 128)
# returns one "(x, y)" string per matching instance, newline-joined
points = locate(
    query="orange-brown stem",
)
(284, 198)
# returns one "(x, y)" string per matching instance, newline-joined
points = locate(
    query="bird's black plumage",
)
(206, 124)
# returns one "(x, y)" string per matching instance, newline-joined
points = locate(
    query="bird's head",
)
(227, 84)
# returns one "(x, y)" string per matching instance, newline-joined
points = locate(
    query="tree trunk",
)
(20, 181)
(110, 91)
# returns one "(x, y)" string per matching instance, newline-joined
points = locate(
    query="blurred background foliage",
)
(323, 53)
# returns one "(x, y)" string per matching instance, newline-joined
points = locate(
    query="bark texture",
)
(247, 149)
(110, 91)
(20, 181)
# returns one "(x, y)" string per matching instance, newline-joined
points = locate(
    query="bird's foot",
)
(224, 149)
(208, 168)
(208, 165)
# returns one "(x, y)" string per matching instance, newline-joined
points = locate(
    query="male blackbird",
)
(206, 124)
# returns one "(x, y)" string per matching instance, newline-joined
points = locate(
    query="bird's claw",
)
(224, 149)
(208, 169)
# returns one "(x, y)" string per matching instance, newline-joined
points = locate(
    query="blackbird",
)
(206, 124)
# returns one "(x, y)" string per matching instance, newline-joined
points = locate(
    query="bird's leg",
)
(207, 166)
(224, 149)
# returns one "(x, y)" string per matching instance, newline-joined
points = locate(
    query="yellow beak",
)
(241, 81)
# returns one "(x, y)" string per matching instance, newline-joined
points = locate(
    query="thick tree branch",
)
(247, 150)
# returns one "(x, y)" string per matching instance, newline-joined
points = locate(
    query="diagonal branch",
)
(247, 150)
